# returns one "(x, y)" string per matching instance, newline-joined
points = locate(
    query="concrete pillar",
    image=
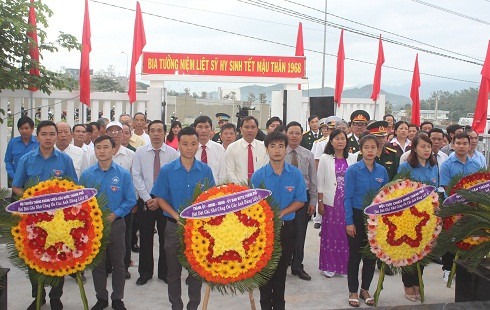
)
(140, 107)
(3, 139)
(70, 113)
(118, 109)
(16, 112)
(154, 105)
(44, 109)
(57, 111)
(106, 110)
(94, 110)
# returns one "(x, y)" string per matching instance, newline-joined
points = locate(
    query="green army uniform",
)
(358, 116)
(388, 159)
(217, 138)
(309, 138)
(222, 118)
(352, 144)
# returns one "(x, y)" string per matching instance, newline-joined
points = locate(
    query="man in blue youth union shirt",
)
(174, 188)
(116, 183)
(42, 164)
(288, 188)
(21, 145)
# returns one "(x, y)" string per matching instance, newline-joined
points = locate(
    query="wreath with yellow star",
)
(235, 251)
(58, 242)
(406, 237)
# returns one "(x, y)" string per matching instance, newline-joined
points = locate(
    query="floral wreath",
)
(465, 183)
(58, 242)
(237, 250)
(406, 237)
(466, 221)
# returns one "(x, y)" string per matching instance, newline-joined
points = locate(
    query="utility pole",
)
(324, 47)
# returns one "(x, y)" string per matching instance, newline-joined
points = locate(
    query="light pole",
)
(127, 58)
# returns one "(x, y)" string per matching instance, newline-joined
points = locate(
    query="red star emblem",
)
(392, 220)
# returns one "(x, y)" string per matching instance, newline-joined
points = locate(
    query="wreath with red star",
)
(235, 251)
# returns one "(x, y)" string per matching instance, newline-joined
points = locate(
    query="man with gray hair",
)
(102, 123)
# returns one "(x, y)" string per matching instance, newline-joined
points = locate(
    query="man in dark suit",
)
(311, 135)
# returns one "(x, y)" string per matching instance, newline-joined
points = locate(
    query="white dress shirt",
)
(143, 167)
(124, 157)
(77, 155)
(237, 159)
(216, 159)
(89, 155)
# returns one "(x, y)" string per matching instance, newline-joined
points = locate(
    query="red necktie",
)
(250, 161)
(204, 155)
(156, 165)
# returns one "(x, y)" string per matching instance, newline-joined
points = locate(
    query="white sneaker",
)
(445, 275)
(328, 274)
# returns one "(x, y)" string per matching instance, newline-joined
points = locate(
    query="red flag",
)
(33, 47)
(481, 109)
(414, 93)
(85, 61)
(377, 72)
(300, 50)
(339, 79)
(139, 41)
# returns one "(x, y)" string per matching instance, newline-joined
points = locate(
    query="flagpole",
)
(374, 115)
(31, 105)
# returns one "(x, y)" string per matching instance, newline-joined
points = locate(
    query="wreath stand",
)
(208, 291)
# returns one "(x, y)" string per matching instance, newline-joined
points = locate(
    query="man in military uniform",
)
(358, 122)
(223, 118)
(311, 135)
(386, 156)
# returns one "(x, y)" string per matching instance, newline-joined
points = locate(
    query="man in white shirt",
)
(79, 133)
(246, 155)
(139, 124)
(436, 135)
(147, 163)
(76, 154)
(124, 158)
(210, 152)
(135, 141)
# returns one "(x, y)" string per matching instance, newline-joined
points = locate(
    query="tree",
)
(187, 91)
(459, 103)
(204, 94)
(195, 95)
(262, 97)
(251, 98)
(14, 47)
(388, 108)
(172, 93)
(106, 84)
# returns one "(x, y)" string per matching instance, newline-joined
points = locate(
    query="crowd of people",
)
(148, 171)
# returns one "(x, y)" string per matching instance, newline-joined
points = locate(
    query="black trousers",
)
(355, 247)
(447, 261)
(55, 293)
(410, 280)
(147, 219)
(127, 239)
(301, 220)
(272, 293)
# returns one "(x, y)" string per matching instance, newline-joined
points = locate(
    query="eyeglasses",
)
(114, 132)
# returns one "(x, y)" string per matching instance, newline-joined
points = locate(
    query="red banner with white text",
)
(223, 65)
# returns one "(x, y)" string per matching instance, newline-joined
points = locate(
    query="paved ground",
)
(319, 293)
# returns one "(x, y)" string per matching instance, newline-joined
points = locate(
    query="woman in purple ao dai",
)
(334, 248)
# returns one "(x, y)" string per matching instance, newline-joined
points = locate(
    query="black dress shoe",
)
(301, 274)
(438, 261)
(142, 280)
(128, 275)
(56, 304)
(118, 304)
(101, 304)
(317, 225)
(135, 248)
(32, 306)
